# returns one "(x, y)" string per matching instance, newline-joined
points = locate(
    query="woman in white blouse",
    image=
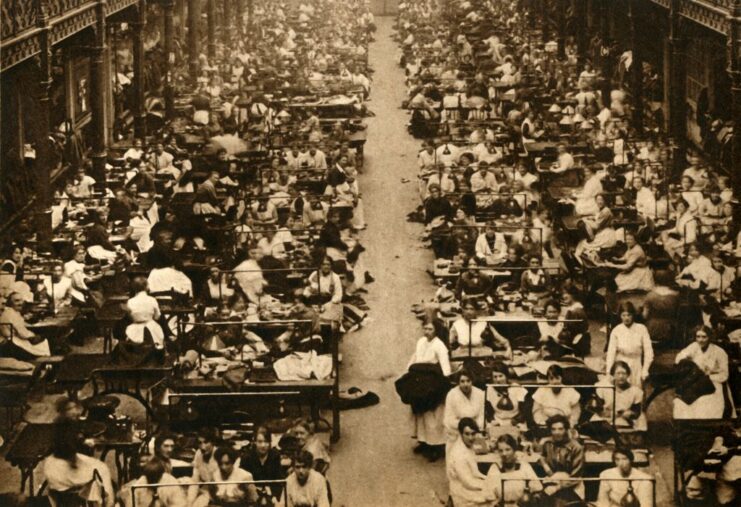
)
(645, 199)
(57, 287)
(503, 399)
(615, 483)
(74, 269)
(66, 470)
(510, 475)
(698, 272)
(555, 399)
(552, 325)
(635, 274)
(428, 426)
(625, 399)
(464, 400)
(144, 312)
(467, 332)
(684, 231)
(630, 342)
(22, 343)
(326, 286)
(713, 361)
(467, 485)
(585, 199)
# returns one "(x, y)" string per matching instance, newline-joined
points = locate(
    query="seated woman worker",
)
(471, 337)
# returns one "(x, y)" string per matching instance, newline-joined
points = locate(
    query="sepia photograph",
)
(370, 253)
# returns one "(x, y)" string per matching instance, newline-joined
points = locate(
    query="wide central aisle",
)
(373, 463)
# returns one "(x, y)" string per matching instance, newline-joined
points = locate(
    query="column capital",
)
(42, 17)
(97, 51)
(735, 11)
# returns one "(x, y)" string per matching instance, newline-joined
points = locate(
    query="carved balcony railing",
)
(712, 14)
(19, 30)
(725, 4)
(59, 7)
(17, 16)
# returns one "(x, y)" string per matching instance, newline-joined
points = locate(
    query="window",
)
(697, 68)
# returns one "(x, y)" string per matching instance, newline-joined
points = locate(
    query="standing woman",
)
(660, 308)
(463, 401)
(466, 484)
(428, 426)
(713, 361)
(144, 312)
(630, 342)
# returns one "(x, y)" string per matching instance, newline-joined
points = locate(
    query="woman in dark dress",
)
(660, 309)
(13, 262)
(263, 462)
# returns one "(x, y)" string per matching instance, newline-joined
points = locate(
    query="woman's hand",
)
(551, 489)
(628, 414)
(36, 339)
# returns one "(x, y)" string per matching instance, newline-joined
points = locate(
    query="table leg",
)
(314, 409)
(335, 422)
(126, 455)
(107, 340)
(122, 465)
(24, 477)
(31, 489)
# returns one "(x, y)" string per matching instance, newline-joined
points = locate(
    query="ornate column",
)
(168, 7)
(226, 29)
(734, 72)
(42, 164)
(194, 18)
(239, 17)
(97, 100)
(561, 34)
(182, 18)
(140, 114)
(605, 50)
(678, 87)
(582, 31)
(636, 68)
(250, 20)
(211, 7)
(543, 20)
